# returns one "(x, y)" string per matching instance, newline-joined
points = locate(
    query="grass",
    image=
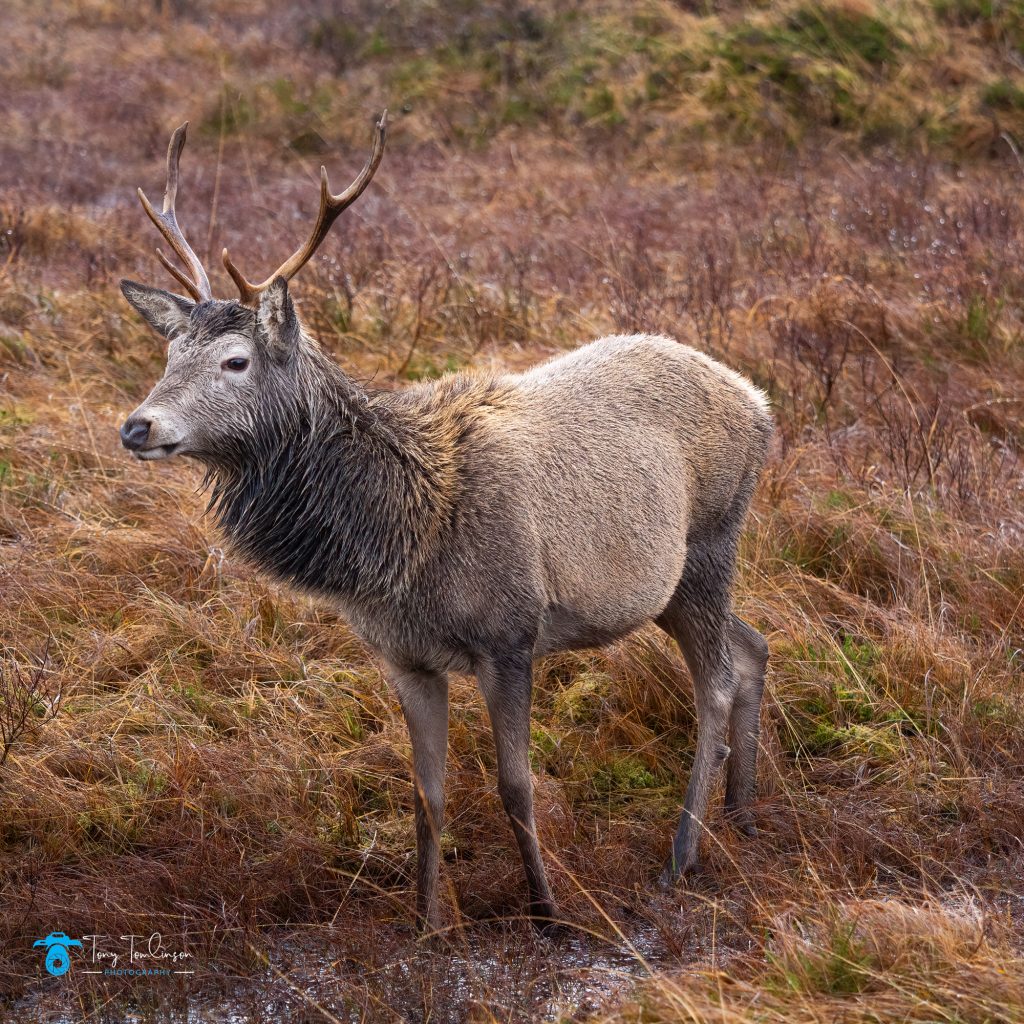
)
(868, 960)
(188, 748)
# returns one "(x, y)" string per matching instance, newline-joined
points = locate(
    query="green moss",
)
(623, 775)
(815, 706)
(585, 699)
(908, 723)
(860, 658)
(827, 739)
(821, 738)
(855, 705)
(543, 748)
(846, 708)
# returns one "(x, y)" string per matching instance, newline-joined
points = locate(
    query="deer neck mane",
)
(341, 495)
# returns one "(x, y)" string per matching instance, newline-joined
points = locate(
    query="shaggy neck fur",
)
(339, 493)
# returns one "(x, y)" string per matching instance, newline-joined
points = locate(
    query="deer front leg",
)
(507, 684)
(424, 700)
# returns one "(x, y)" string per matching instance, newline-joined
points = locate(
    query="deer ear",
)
(165, 312)
(278, 319)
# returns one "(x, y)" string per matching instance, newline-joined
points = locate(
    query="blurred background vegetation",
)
(676, 78)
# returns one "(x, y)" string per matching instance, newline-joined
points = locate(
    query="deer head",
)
(225, 358)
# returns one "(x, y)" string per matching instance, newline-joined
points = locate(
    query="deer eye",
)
(236, 364)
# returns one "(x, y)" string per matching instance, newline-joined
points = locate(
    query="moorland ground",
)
(827, 197)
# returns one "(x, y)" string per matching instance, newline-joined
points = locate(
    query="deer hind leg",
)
(750, 658)
(698, 618)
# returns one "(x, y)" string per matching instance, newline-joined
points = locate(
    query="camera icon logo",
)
(58, 959)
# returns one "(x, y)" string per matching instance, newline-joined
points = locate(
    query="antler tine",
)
(198, 286)
(178, 276)
(330, 207)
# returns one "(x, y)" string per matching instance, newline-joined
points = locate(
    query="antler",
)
(330, 207)
(198, 286)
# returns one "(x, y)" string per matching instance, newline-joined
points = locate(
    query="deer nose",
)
(134, 434)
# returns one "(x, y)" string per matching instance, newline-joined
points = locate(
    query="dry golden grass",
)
(187, 748)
